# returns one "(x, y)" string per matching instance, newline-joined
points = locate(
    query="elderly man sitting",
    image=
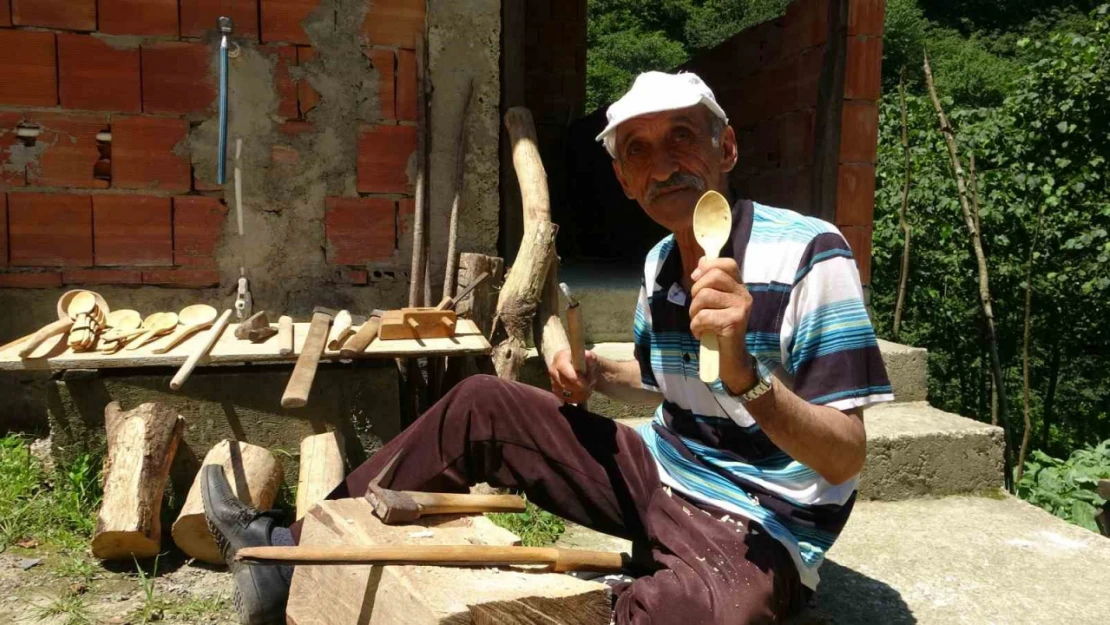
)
(735, 492)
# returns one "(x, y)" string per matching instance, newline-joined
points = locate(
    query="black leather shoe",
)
(260, 591)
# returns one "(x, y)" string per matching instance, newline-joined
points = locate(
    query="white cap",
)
(658, 91)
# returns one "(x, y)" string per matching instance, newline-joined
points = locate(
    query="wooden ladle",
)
(193, 319)
(62, 325)
(712, 227)
(154, 325)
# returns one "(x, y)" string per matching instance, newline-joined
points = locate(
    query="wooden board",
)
(422, 595)
(54, 354)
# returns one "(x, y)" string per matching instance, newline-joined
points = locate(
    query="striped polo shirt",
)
(808, 327)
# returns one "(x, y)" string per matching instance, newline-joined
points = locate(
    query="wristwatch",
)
(762, 385)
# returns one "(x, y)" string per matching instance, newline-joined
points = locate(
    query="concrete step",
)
(949, 560)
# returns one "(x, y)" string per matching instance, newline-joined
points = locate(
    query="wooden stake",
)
(141, 446)
(255, 476)
(419, 227)
(523, 287)
(322, 468)
(971, 222)
(902, 221)
(456, 203)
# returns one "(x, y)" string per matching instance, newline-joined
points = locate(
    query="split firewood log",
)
(255, 477)
(322, 468)
(141, 446)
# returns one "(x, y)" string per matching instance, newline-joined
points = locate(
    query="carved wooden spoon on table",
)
(118, 323)
(62, 325)
(712, 227)
(193, 319)
(154, 326)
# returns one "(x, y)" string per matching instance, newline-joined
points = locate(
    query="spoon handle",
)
(179, 336)
(709, 358)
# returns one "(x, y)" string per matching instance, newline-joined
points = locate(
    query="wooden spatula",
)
(154, 325)
(193, 319)
(712, 226)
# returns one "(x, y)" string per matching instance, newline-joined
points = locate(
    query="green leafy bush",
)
(1067, 488)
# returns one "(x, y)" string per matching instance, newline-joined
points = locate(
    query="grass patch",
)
(196, 608)
(536, 527)
(70, 606)
(59, 511)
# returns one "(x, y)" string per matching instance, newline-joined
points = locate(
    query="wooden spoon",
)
(193, 319)
(119, 324)
(62, 325)
(712, 226)
(154, 325)
(81, 309)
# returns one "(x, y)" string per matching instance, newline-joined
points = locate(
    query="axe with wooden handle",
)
(556, 559)
(300, 383)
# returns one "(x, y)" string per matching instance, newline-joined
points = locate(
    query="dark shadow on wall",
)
(848, 597)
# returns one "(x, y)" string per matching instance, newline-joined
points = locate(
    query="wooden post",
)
(520, 296)
(322, 468)
(480, 306)
(255, 476)
(141, 446)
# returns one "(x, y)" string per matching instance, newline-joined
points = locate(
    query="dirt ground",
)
(69, 590)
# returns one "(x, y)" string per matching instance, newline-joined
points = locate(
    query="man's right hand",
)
(566, 383)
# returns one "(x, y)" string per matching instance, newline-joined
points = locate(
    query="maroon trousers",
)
(597, 473)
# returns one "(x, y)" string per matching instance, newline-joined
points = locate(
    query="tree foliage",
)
(1068, 488)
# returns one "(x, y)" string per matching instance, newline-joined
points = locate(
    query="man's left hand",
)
(721, 305)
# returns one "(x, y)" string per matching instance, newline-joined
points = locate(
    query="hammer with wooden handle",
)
(366, 334)
(300, 383)
(558, 560)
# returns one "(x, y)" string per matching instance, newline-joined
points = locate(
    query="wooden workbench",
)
(55, 355)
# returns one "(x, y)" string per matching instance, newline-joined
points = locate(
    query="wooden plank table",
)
(55, 355)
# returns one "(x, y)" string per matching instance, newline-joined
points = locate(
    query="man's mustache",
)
(677, 179)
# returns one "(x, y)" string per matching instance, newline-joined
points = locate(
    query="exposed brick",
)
(806, 25)
(184, 278)
(359, 277)
(11, 174)
(865, 17)
(63, 14)
(177, 78)
(44, 280)
(28, 68)
(284, 86)
(406, 213)
(859, 132)
(863, 68)
(394, 22)
(383, 158)
(96, 76)
(132, 230)
(144, 153)
(359, 230)
(3, 230)
(282, 19)
(859, 239)
(307, 97)
(70, 151)
(198, 17)
(102, 276)
(855, 195)
(382, 59)
(293, 129)
(50, 230)
(198, 222)
(406, 85)
(138, 17)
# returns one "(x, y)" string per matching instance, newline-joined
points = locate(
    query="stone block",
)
(907, 369)
(915, 450)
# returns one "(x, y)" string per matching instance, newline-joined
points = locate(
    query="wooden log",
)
(141, 446)
(523, 287)
(322, 468)
(481, 303)
(423, 595)
(255, 476)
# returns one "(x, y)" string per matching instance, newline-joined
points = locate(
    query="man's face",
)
(666, 161)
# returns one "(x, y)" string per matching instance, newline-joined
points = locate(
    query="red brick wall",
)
(78, 209)
(768, 79)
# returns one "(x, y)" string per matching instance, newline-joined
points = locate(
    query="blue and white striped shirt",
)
(808, 327)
